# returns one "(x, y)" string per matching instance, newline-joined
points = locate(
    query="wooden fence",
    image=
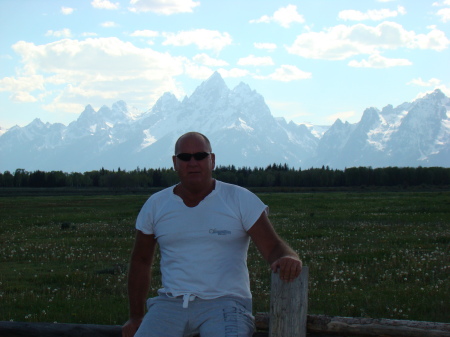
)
(287, 318)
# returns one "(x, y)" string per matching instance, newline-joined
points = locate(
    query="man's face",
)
(194, 172)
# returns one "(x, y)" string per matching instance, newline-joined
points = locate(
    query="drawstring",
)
(186, 299)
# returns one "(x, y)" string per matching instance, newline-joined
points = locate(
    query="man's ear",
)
(213, 160)
(174, 160)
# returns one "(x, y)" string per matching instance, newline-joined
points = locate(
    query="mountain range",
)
(242, 130)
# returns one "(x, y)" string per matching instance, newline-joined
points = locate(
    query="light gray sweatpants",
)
(189, 316)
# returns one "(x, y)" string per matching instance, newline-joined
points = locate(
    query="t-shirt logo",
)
(219, 232)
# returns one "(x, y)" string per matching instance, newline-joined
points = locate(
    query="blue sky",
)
(313, 60)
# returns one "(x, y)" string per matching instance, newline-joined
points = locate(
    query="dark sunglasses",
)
(197, 156)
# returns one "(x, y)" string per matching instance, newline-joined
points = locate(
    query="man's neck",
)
(193, 195)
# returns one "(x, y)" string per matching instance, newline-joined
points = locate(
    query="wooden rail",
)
(317, 325)
(287, 318)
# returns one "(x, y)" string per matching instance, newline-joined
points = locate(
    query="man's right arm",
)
(139, 278)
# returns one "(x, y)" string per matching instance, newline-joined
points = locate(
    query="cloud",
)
(344, 115)
(104, 4)
(234, 72)
(108, 24)
(202, 38)
(341, 42)
(374, 15)
(444, 88)
(432, 82)
(202, 72)
(253, 60)
(166, 7)
(93, 71)
(444, 14)
(22, 84)
(286, 73)
(378, 61)
(89, 34)
(22, 97)
(284, 16)
(267, 46)
(145, 33)
(59, 33)
(209, 61)
(67, 10)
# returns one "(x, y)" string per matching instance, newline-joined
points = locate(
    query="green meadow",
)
(370, 254)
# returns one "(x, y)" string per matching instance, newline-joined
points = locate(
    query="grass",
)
(371, 254)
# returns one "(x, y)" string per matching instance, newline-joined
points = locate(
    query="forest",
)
(276, 175)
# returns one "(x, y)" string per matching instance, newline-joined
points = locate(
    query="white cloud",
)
(89, 34)
(253, 60)
(201, 72)
(444, 88)
(145, 33)
(67, 10)
(166, 7)
(104, 4)
(234, 73)
(202, 38)
(196, 71)
(374, 14)
(108, 24)
(286, 73)
(432, 82)
(59, 33)
(378, 61)
(22, 97)
(209, 61)
(21, 84)
(440, 4)
(92, 71)
(284, 16)
(341, 42)
(267, 46)
(444, 14)
(344, 115)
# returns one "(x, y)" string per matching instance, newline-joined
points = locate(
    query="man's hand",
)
(130, 327)
(288, 267)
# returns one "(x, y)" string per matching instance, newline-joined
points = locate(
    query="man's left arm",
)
(282, 258)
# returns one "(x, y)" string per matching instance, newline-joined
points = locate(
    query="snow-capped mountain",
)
(412, 134)
(242, 130)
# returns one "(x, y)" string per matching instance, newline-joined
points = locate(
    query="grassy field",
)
(370, 254)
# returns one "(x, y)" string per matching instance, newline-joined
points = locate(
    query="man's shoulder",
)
(162, 193)
(231, 188)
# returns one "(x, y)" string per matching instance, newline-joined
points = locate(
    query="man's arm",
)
(139, 278)
(280, 256)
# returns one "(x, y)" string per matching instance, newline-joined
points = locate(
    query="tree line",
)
(275, 175)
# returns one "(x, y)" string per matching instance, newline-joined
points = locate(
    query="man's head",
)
(193, 160)
(177, 144)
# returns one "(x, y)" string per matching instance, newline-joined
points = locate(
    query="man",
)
(203, 228)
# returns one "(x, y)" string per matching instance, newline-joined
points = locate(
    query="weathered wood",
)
(317, 325)
(354, 326)
(288, 306)
(25, 329)
(377, 327)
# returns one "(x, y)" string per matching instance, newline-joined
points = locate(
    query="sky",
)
(313, 61)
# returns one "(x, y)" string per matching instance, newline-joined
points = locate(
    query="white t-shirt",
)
(203, 248)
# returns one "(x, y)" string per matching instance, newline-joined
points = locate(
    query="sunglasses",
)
(197, 156)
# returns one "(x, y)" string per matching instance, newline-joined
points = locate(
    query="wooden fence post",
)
(289, 306)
